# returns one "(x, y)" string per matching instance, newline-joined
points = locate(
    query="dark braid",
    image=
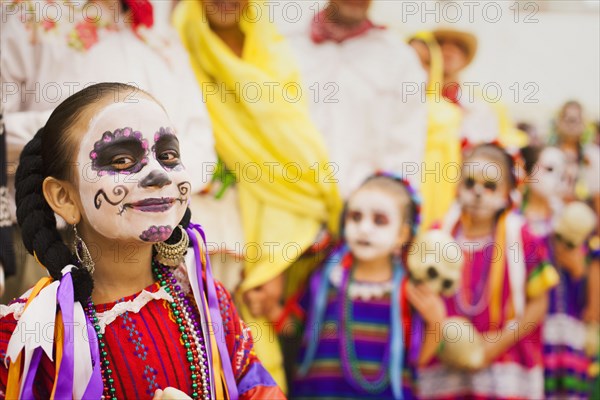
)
(34, 215)
(49, 154)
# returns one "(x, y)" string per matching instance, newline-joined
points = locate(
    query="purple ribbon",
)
(66, 302)
(64, 380)
(199, 296)
(33, 366)
(215, 314)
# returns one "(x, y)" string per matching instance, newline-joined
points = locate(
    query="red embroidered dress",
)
(145, 350)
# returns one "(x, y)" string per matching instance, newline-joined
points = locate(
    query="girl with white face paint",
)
(503, 289)
(130, 301)
(363, 282)
(566, 362)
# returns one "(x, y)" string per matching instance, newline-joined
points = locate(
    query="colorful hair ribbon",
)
(51, 303)
(207, 301)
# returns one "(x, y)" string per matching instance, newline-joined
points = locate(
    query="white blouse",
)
(367, 99)
(51, 49)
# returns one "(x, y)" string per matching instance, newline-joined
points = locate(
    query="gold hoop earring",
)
(172, 254)
(82, 253)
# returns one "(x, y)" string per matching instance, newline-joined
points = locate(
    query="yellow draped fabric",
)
(263, 133)
(510, 137)
(441, 163)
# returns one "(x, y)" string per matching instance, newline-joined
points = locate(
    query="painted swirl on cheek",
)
(119, 191)
(184, 189)
(156, 233)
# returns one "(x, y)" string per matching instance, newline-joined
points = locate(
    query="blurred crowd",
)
(308, 153)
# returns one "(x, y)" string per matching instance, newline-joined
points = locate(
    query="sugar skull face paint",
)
(550, 178)
(132, 183)
(373, 222)
(483, 190)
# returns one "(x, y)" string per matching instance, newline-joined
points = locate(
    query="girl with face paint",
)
(359, 304)
(503, 290)
(123, 324)
(565, 361)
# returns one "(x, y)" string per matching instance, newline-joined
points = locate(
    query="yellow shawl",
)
(441, 163)
(264, 134)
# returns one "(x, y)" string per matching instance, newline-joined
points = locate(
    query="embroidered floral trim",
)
(83, 36)
(15, 308)
(135, 305)
(360, 290)
(29, 14)
(81, 30)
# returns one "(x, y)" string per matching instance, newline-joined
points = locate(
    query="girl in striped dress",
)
(358, 305)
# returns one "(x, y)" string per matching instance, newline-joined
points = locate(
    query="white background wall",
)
(554, 46)
(539, 53)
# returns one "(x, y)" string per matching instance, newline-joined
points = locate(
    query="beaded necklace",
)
(350, 363)
(189, 328)
(480, 297)
(471, 306)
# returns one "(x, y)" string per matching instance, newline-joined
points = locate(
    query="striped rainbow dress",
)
(565, 362)
(370, 331)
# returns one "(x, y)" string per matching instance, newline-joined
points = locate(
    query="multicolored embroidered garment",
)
(518, 373)
(565, 361)
(368, 332)
(143, 346)
(183, 332)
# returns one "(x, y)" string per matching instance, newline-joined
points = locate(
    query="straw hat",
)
(467, 40)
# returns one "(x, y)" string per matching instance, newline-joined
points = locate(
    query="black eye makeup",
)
(355, 216)
(122, 151)
(490, 185)
(380, 219)
(469, 183)
(166, 149)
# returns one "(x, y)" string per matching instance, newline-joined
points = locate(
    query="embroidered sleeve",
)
(541, 275)
(254, 382)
